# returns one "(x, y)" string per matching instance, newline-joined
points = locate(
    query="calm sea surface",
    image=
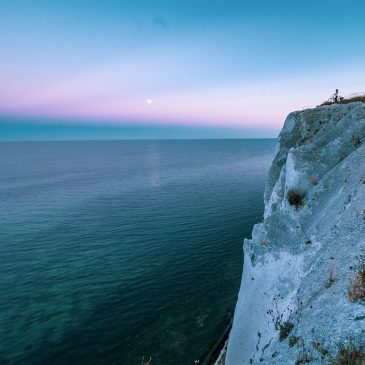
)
(114, 250)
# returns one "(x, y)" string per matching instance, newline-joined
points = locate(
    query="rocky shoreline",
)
(217, 352)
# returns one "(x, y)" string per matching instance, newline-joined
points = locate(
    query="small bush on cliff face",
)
(285, 329)
(361, 275)
(356, 141)
(314, 180)
(293, 340)
(330, 279)
(351, 355)
(318, 346)
(357, 289)
(305, 359)
(296, 197)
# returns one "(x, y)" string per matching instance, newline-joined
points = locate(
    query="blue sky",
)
(172, 68)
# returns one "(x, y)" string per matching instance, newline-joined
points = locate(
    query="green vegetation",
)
(330, 279)
(317, 346)
(353, 99)
(296, 197)
(356, 141)
(356, 291)
(293, 340)
(305, 359)
(285, 329)
(351, 355)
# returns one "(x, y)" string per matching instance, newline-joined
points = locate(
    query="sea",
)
(118, 252)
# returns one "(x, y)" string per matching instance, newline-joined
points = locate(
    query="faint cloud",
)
(160, 21)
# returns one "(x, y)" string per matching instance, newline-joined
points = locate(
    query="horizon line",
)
(132, 139)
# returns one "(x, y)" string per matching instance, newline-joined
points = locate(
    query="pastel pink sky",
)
(240, 64)
(96, 95)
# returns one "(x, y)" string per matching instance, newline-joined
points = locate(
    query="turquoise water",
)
(114, 250)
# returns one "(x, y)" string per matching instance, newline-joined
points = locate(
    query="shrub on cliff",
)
(296, 197)
(357, 289)
(314, 180)
(285, 329)
(356, 141)
(351, 355)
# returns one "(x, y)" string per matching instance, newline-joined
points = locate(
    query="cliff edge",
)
(301, 293)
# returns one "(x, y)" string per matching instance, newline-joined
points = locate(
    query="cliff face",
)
(300, 265)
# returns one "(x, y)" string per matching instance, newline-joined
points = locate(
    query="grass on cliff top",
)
(346, 101)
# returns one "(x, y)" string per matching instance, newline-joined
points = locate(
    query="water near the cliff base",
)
(114, 250)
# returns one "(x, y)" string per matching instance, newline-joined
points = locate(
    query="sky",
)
(96, 69)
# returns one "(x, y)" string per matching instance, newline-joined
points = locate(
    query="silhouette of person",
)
(335, 96)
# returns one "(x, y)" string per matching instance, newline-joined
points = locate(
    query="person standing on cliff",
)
(335, 96)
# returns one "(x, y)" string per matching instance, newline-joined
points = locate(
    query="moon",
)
(149, 101)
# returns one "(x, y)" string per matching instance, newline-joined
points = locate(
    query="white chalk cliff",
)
(293, 306)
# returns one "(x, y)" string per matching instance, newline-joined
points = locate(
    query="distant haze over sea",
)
(44, 129)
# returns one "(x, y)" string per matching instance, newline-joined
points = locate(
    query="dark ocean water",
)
(114, 250)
